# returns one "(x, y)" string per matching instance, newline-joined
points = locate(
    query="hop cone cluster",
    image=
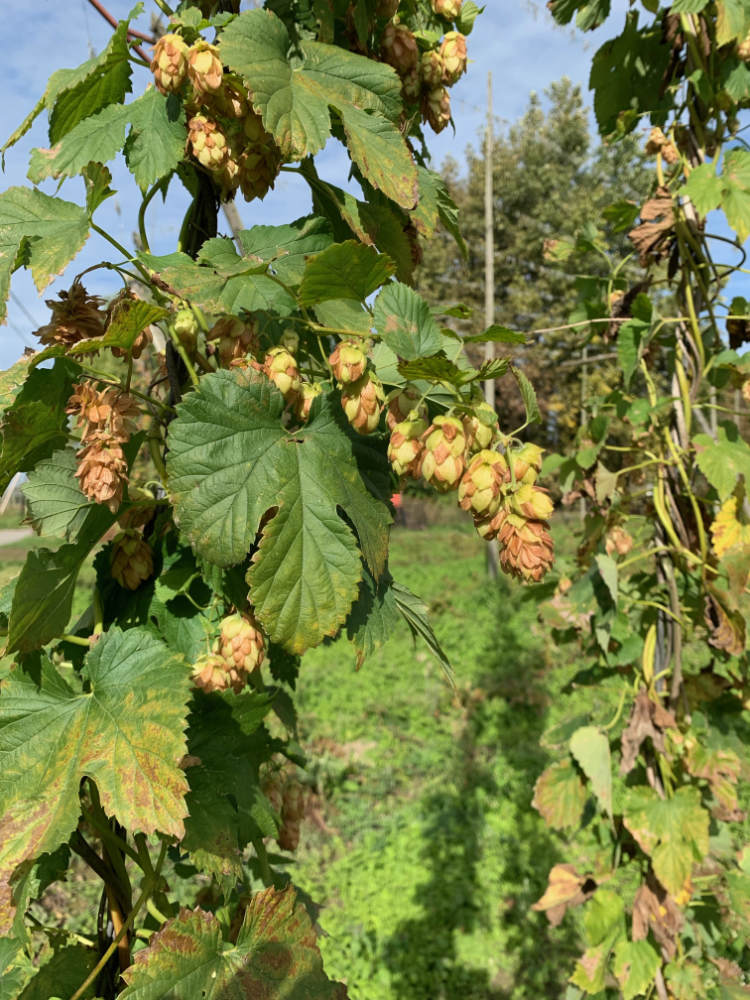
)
(132, 561)
(238, 651)
(107, 418)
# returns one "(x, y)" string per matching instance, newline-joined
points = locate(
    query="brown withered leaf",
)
(655, 910)
(721, 768)
(653, 235)
(648, 720)
(727, 628)
(565, 888)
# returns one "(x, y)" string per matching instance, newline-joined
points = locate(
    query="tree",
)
(549, 184)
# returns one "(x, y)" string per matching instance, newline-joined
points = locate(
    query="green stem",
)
(76, 640)
(142, 216)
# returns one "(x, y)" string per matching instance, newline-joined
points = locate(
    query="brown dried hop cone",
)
(102, 471)
(449, 9)
(234, 339)
(436, 108)
(108, 411)
(281, 367)
(132, 561)
(76, 316)
(432, 69)
(362, 402)
(405, 447)
(309, 392)
(401, 406)
(348, 361)
(204, 68)
(453, 52)
(208, 143)
(169, 63)
(241, 643)
(480, 489)
(526, 547)
(292, 811)
(398, 47)
(443, 460)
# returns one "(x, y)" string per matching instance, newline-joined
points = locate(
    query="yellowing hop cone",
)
(443, 461)
(241, 643)
(405, 447)
(399, 48)
(281, 367)
(480, 488)
(401, 406)
(449, 9)
(362, 402)
(453, 52)
(204, 68)
(348, 361)
(526, 547)
(169, 63)
(436, 108)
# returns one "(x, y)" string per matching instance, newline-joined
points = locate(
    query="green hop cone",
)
(443, 461)
(362, 402)
(531, 502)
(132, 561)
(453, 52)
(208, 143)
(449, 9)
(169, 63)
(348, 361)
(309, 392)
(186, 327)
(204, 68)
(480, 488)
(290, 339)
(398, 48)
(432, 69)
(526, 462)
(436, 108)
(480, 427)
(260, 161)
(281, 367)
(405, 446)
(241, 643)
(402, 404)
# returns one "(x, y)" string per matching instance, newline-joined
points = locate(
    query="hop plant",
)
(436, 108)
(169, 63)
(207, 141)
(449, 9)
(76, 316)
(443, 461)
(399, 48)
(432, 69)
(241, 643)
(402, 405)
(348, 361)
(453, 53)
(480, 488)
(204, 68)
(132, 561)
(309, 392)
(362, 402)
(281, 367)
(405, 447)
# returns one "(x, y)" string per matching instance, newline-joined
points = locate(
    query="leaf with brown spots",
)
(647, 720)
(276, 957)
(126, 732)
(560, 795)
(565, 887)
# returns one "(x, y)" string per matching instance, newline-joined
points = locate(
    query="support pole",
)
(489, 284)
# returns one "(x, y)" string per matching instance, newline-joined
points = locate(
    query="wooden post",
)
(489, 284)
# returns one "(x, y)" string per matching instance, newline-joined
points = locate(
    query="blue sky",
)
(514, 39)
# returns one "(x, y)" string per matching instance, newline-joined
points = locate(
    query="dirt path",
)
(10, 535)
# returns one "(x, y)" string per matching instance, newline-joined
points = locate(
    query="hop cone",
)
(480, 488)
(234, 339)
(526, 462)
(743, 49)
(309, 392)
(241, 644)
(292, 811)
(132, 560)
(480, 427)
(348, 361)
(619, 541)
(108, 411)
(402, 404)
(436, 108)
(453, 51)
(281, 367)
(531, 502)
(526, 548)
(260, 161)
(443, 461)
(76, 316)
(169, 63)
(405, 447)
(102, 471)
(449, 9)
(208, 143)
(432, 69)
(362, 402)
(211, 673)
(204, 68)
(399, 49)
